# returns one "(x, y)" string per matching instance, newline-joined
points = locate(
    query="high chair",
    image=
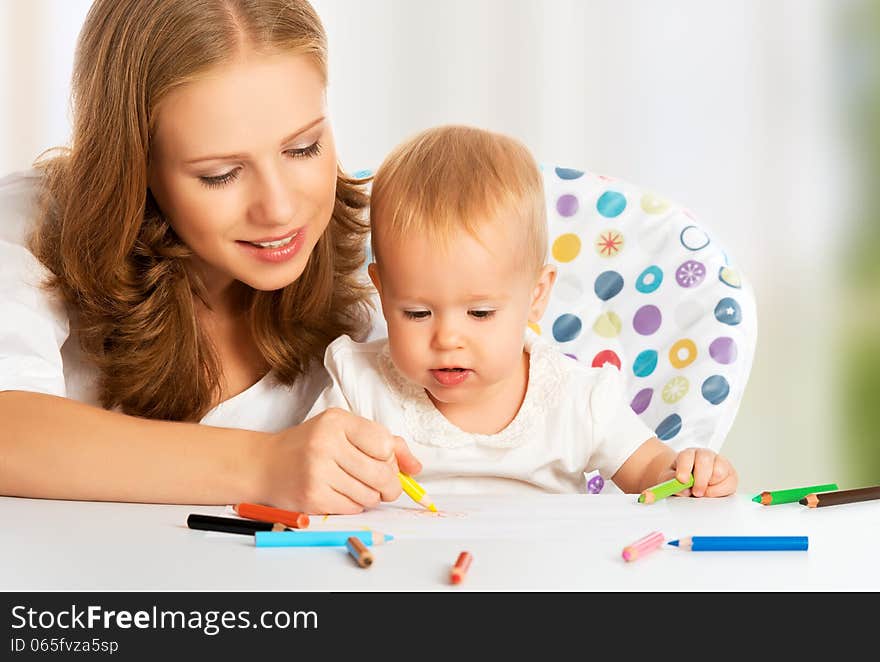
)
(644, 286)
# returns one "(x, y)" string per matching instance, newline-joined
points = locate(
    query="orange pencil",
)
(459, 570)
(261, 513)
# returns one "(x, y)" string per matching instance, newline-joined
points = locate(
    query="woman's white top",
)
(573, 419)
(38, 352)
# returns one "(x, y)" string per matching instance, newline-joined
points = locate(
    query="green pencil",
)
(663, 490)
(771, 498)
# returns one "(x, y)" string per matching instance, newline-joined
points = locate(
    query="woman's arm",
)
(57, 448)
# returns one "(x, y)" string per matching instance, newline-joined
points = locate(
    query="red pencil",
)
(289, 518)
(459, 570)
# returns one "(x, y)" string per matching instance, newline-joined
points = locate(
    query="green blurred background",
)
(859, 377)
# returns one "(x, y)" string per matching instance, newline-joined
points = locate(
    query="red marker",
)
(459, 570)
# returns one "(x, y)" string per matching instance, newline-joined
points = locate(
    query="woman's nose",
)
(273, 201)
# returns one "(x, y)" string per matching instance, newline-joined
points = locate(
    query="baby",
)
(459, 241)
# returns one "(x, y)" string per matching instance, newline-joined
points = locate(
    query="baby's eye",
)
(481, 314)
(416, 314)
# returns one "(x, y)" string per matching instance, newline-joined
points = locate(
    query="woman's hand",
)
(333, 463)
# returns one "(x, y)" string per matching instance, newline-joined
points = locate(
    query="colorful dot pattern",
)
(643, 287)
(658, 299)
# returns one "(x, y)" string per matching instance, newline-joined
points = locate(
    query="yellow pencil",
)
(416, 492)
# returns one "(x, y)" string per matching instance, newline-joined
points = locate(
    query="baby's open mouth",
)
(450, 376)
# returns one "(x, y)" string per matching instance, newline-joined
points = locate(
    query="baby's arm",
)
(654, 462)
(341, 391)
(332, 396)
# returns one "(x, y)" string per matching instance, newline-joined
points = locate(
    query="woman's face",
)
(243, 166)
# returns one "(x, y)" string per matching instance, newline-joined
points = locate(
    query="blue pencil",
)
(739, 543)
(317, 538)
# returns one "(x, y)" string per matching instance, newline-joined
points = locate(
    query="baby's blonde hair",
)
(450, 178)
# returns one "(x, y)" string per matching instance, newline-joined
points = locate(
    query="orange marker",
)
(289, 518)
(459, 570)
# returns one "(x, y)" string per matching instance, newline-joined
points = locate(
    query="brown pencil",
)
(359, 552)
(818, 500)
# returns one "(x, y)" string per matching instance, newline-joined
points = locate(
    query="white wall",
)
(725, 106)
(37, 40)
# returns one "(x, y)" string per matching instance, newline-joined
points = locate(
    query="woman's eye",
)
(305, 152)
(416, 314)
(482, 314)
(299, 153)
(220, 180)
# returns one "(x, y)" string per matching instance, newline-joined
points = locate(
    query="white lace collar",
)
(428, 426)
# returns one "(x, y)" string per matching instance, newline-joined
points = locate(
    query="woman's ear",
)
(541, 292)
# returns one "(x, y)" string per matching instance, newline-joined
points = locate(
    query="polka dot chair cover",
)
(643, 286)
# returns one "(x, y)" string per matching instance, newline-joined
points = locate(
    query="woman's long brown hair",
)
(119, 266)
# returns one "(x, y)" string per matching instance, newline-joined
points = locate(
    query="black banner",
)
(220, 625)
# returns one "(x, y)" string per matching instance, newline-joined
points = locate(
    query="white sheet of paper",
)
(503, 517)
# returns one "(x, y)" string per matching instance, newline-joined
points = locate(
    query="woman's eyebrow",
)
(298, 132)
(230, 157)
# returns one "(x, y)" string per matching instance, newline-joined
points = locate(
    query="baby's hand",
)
(714, 475)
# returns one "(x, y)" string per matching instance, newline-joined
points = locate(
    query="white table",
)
(552, 543)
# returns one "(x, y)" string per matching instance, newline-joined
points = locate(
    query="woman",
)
(195, 251)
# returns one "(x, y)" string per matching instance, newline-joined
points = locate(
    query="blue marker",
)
(317, 538)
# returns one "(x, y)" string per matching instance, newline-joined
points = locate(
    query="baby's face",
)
(456, 315)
